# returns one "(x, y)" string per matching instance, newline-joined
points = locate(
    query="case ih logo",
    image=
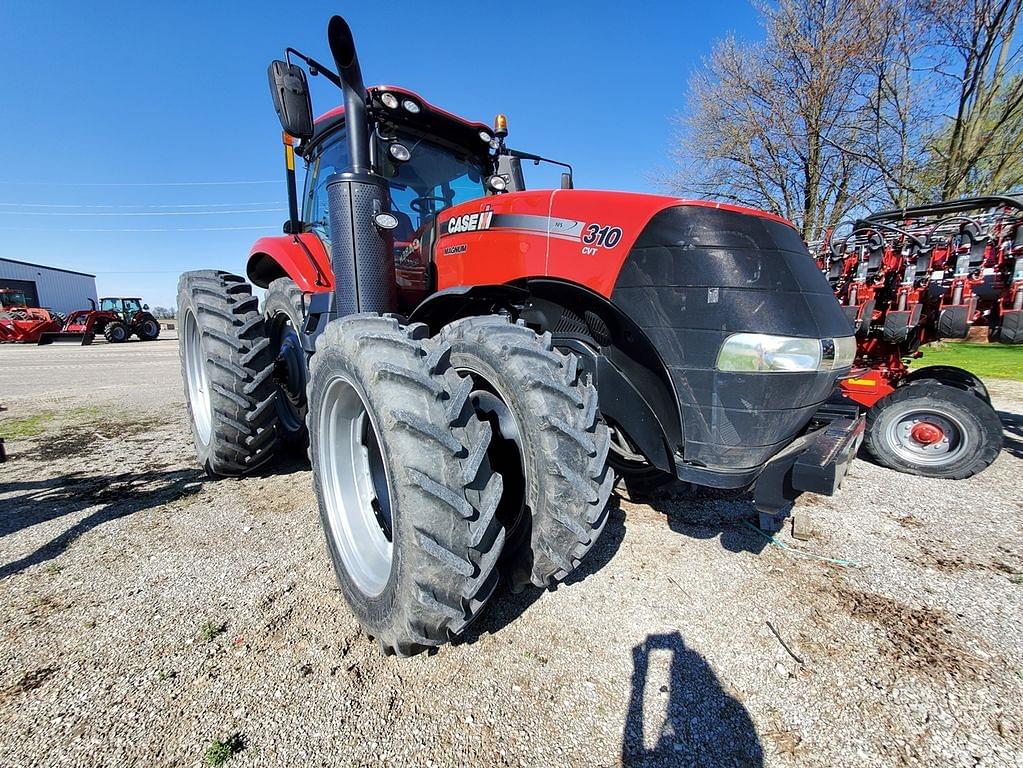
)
(471, 222)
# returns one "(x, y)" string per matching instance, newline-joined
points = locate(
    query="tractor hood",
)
(689, 274)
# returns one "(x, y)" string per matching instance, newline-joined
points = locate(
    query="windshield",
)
(433, 179)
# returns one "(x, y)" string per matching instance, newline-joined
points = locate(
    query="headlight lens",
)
(410, 106)
(764, 353)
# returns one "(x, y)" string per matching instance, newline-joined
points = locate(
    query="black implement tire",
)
(116, 332)
(284, 312)
(971, 432)
(426, 449)
(562, 444)
(227, 367)
(948, 374)
(148, 329)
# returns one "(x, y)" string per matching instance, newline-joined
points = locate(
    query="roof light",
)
(410, 106)
(399, 152)
(389, 100)
(485, 136)
(501, 125)
(497, 183)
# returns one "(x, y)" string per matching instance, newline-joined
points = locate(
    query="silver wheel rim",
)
(198, 384)
(355, 486)
(953, 444)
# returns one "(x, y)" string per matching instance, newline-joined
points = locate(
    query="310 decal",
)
(598, 236)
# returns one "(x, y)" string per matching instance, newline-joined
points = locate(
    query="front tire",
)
(933, 430)
(405, 490)
(284, 310)
(226, 366)
(550, 405)
(116, 332)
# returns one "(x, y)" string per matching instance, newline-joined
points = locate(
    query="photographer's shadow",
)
(702, 723)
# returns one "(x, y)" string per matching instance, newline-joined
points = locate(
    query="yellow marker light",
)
(862, 383)
(501, 125)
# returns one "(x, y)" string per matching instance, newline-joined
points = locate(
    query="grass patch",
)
(219, 752)
(211, 629)
(25, 426)
(995, 361)
(21, 427)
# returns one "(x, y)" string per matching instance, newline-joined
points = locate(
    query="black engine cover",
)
(695, 276)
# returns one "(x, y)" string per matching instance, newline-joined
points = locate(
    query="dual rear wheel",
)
(439, 464)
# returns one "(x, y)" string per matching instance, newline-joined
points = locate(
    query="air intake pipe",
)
(361, 253)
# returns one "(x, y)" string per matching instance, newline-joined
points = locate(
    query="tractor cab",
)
(430, 159)
(126, 309)
(13, 297)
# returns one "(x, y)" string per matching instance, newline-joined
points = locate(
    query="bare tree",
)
(783, 124)
(978, 147)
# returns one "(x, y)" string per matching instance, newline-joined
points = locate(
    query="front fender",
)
(285, 256)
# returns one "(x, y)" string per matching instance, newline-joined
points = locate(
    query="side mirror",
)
(145, 307)
(566, 181)
(290, 92)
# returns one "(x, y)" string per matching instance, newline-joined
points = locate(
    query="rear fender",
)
(302, 257)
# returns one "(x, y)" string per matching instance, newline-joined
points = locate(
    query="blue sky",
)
(119, 108)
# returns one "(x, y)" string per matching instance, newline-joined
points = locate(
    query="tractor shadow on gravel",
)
(700, 723)
(109, 497)
(506, 606)
(1013, 425)
(706, 513)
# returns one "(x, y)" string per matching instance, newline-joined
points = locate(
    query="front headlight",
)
(764, 353)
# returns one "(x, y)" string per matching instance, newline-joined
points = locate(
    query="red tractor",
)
(470, 363)
(117, 320)
(21, 323)
(913, 276)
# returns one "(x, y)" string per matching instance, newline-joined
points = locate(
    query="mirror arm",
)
(314, 64)
(537, 159)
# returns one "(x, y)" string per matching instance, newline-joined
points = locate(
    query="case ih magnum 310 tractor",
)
(913, 276)
(439, 337)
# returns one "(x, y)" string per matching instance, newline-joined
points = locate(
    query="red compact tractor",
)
(470, 363)
(117, 320)
(909, 277)
(21, 323)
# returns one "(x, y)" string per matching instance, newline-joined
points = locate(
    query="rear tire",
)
(148, 330)
(226, 366)
(933, 430)
(405, 490)
(284, 312)
(116, 332)
(562, 445)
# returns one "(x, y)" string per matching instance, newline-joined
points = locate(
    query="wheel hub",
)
(928, 437)
(289, 373)
(926, 433)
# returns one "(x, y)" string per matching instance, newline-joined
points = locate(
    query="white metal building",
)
(61, 290)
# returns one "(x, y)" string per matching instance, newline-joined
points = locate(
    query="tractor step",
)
(67, 337)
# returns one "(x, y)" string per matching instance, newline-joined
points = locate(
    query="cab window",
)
(110, 305)
(328, 158)
(434, 178)
(132, 305)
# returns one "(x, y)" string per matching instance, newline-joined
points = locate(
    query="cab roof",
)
(430, 119)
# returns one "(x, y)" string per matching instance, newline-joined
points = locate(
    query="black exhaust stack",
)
(361, 253)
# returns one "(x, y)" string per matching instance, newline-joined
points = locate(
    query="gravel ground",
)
(147, 612)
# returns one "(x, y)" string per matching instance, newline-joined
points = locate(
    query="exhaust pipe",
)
(362, 255)
(342, 46)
